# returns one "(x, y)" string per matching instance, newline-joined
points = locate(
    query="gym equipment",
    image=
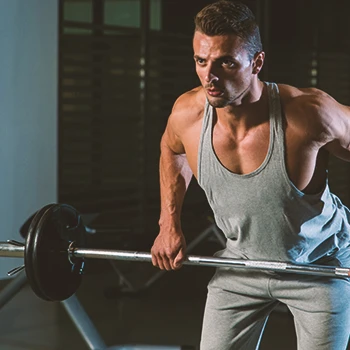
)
(54, 255)
(211, 232)
(73, 307)
(81, 320)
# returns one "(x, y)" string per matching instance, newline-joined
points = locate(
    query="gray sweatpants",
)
(240, 301)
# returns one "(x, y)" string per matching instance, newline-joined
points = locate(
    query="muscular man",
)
(259, 150)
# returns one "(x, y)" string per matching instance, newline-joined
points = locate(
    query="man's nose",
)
(210, 75)
(210, 78)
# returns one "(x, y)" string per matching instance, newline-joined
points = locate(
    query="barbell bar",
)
(9, 250)
(309, 269)
(54, 255)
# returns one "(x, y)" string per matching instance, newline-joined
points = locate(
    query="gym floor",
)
(167, 313)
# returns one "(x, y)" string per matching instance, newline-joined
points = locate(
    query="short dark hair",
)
(230, 17)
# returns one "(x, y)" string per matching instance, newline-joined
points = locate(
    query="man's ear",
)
(258, 62)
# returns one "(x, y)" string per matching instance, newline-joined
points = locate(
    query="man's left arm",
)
(335, 119)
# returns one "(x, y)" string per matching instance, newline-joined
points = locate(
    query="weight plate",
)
(56, 278)
(28, 255)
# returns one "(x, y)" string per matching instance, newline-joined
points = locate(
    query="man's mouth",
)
(215, 92)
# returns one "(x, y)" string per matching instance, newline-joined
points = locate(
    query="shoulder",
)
(310, 109)
(187, 111)
(311, 98)
(189, 107)
(185, 117)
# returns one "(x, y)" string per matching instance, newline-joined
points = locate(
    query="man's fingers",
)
(161, 261)
(166, 262)
(179, 259)
(154, 260)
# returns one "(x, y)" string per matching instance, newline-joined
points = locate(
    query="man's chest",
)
(305, 165)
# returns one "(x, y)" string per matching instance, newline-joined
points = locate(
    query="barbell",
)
(55, 250)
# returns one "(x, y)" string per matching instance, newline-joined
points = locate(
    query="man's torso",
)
(244, 152)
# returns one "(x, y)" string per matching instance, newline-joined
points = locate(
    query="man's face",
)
(223, 67)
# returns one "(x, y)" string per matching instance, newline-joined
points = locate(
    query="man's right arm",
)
(168, 251)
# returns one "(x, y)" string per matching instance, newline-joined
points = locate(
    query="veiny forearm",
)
(175, 176)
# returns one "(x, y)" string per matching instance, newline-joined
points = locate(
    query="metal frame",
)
(80, 318)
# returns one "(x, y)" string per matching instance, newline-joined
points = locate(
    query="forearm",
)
(175, 176)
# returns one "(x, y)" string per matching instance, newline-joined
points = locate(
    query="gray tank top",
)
(263, 215)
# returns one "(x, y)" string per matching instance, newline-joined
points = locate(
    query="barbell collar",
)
(9, 249)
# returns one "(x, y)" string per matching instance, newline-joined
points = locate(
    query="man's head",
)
(226, 17)
(227, 51)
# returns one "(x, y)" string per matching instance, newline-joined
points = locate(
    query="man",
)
(259, 150)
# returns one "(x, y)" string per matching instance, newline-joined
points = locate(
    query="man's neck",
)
(250, 112)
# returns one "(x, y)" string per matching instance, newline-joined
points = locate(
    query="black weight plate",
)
(55, 275)
(25, 227)
(28, 256)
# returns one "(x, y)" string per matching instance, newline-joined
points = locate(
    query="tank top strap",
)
(276, 115)
(205, 139)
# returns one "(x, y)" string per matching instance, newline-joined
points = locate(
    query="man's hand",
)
(168, 251)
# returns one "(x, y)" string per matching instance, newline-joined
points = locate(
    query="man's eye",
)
(200, 61)
(228, 63)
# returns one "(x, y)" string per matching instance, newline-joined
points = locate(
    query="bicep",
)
(173, 160)
(171, 139)
(338, 127)
(335, 148)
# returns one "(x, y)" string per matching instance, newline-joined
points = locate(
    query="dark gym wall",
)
(119, 79)
(309, 45)
(178, 15)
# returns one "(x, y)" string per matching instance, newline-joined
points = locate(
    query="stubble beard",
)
(221, 102)
(218, 103)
